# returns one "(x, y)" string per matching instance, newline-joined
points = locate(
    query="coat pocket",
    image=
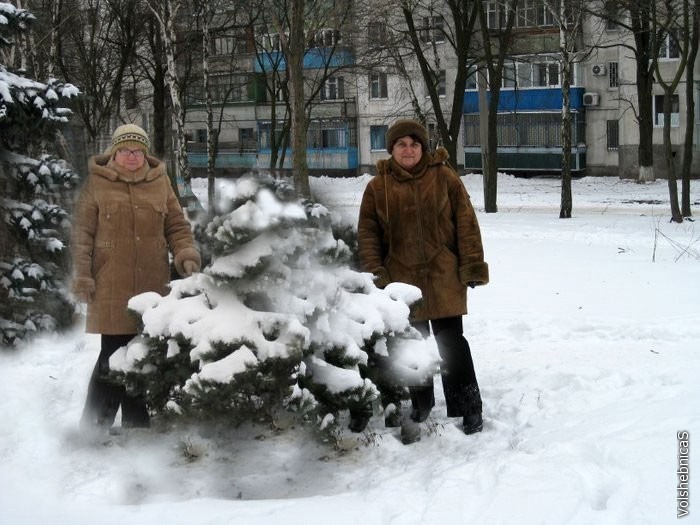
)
(109, 219)
(101, 257)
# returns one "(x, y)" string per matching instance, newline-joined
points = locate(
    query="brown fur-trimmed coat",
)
(419, 227)
(124, 224)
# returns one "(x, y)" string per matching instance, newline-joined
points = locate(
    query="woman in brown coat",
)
(127, 220)
(417, 226)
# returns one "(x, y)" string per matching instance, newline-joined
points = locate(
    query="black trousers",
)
(104, 396)
(459, 383)
(461, 390)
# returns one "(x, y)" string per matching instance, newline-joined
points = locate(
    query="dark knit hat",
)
(407, 128)
(130, 136)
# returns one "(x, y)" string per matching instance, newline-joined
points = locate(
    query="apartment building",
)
(356, 99)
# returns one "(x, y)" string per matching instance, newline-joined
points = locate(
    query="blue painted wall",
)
(531, 99)
(314, 58)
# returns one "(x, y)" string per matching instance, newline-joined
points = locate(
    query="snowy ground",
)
(586, 348)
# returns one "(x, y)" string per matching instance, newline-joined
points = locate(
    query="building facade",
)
(355, 94)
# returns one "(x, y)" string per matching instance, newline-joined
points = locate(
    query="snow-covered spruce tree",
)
(34, 188)
(278, 321)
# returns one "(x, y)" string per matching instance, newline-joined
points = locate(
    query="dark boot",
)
(392, 416)
(102, 401)
(410, 432)
(134, 412)
(104, 395)
(358, 423)
(423, 401)
(359, 417)
(472, 421)
(457, 367)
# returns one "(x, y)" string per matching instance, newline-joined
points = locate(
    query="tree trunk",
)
(640, 12)
(566, 198)
(166, 13)
(491, 167)
(668, 155)
(159, 92)
(211, 133)
(694, 42)
(294, 48)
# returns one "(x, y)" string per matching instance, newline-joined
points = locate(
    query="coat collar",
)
(388, 166)
(104, 166)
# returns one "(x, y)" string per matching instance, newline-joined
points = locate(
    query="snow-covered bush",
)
(35, 188)
(277, 321)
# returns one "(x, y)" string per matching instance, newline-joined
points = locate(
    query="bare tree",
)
(92, 43)
(451, 21)
(568, 15)
(693, 43)
(671, 23)
(497, 44)
(205, 14)
(297, 23)
(293, 42)
(166, 12)
(634, 17)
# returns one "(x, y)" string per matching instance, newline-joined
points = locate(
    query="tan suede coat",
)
(124, 224)
(420, 228)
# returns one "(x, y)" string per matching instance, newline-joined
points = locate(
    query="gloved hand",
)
(381, 278)
(189, 267)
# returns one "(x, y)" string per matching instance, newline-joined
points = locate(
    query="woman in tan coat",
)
(127, 221)
(417, 226)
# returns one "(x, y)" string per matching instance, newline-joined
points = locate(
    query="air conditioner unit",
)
(590, 99)
(598, 69)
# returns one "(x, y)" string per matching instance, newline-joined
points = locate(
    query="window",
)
(509, 75)
(612, 13)
(472, 78)
(440, 83)
(524, 77)
(325, 38)
(378, 85)
(526, 14)
(265, 133)
(536, 129)
(247, 138)
(329, 134)
(613, 134)
(659, 110)
(377, 137)
(281, 92)
(612, 74)
(333, 89)
(433, 29)
(223, 88)
(224, 45)
(271, 42)
(493, 15)
(543, 73)
(545, 17)
(376, 33)
(669, 47)
(535, 13)
(130, 98)
(200, 135)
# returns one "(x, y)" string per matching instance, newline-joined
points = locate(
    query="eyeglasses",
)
(136, 153)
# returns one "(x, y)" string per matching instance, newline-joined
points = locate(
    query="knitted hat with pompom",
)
(407, 128)
(130, 136)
